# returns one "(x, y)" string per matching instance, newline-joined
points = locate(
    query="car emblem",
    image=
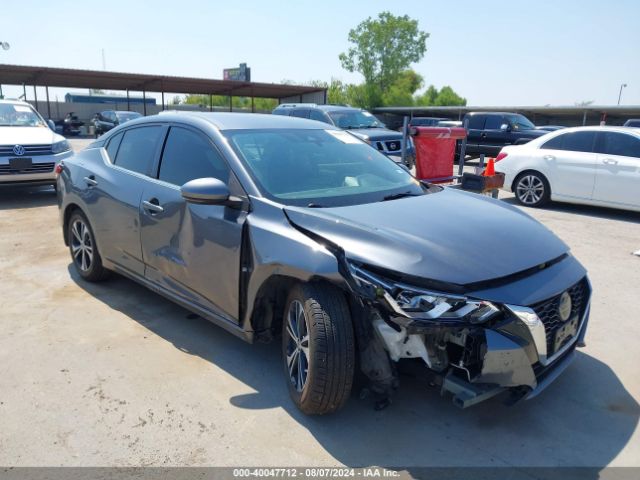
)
(18, 150)
(564, 307)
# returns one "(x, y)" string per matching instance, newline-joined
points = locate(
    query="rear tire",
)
(318, 348)
(532, 189)
(84, 251)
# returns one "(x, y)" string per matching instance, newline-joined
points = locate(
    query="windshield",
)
(126, 116)
(520, 122)
(15, 115)
(320, 168)
(354, 119)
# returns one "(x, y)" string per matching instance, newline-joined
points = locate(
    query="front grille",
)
(34, 168)
(29, 150)
(548, 313)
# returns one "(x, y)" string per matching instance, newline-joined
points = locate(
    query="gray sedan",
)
(271, 226)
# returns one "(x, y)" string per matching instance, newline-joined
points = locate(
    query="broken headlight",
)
(418, 304)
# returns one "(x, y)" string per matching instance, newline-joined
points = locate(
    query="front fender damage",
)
(472, 362)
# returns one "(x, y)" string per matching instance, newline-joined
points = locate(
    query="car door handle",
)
(152, 207)
(610, 161)
(549, 157)
(91, 181)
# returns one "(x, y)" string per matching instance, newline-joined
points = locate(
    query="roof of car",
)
(244, 121)
(335, 108)
(324, 107)
(597, 128)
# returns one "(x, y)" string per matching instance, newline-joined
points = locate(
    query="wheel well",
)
(68, 211)
(530, 170)
(269, 305)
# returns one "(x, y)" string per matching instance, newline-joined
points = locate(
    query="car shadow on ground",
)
(12, 198)
(584, 210)
(584, 419)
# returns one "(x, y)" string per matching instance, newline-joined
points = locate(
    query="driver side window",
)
(188, 155)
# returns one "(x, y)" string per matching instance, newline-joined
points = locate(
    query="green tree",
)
(381, 49)
(400, 92)
(428, 97)
(444, 97)
(447, 97)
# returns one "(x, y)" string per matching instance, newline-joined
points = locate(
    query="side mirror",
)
(208, 191)
(52, 125)
(505, 127)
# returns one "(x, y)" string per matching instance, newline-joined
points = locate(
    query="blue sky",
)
(492, 52)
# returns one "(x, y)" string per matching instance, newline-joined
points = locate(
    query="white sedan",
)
(589, 165)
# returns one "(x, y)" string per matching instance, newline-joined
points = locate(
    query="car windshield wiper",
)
(395, 196)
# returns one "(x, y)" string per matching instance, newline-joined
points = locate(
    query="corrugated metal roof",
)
(72, 78)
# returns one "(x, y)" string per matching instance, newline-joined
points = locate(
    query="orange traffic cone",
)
(490, 171)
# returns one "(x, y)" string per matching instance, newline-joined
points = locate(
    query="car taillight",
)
(58, 169)
(501, 155)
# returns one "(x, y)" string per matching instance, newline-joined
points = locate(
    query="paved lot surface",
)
(113, 374)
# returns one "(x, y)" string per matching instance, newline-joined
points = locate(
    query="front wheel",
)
(318, 348)
(532, 189)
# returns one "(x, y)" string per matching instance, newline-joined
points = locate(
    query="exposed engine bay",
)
(476, 349)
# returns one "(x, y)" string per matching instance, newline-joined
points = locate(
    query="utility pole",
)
(104, 62)
(624, 85)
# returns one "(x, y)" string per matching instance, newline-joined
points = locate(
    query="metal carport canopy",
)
(73, 78)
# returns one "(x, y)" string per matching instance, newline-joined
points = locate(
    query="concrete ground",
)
(114, 375)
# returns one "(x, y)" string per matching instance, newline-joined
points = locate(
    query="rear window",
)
(476, 122)
(572, 141)
(494, 122)
(112, 147)
(137, 149)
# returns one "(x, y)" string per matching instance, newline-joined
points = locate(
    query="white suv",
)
(29, 149)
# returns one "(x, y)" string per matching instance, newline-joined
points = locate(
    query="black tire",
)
(532, 189)
(330, 357)
(83, 249)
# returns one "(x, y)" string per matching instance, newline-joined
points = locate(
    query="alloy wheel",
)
(297, 347)
(81, 245)
(530, 189)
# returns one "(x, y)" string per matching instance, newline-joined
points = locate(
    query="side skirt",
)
(218, 320)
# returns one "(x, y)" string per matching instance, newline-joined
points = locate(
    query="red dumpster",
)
(435, 149)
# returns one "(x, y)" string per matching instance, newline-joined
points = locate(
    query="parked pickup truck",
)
(488, 132)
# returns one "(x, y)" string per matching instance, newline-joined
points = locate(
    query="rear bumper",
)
(508, 179)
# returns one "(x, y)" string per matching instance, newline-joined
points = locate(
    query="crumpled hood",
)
(448, 236)
(376, 134)
(28, 136)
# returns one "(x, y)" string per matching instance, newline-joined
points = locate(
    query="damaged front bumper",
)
(478, 349)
